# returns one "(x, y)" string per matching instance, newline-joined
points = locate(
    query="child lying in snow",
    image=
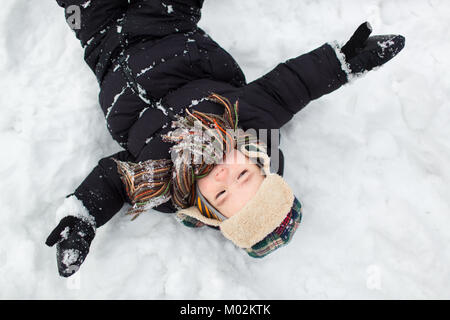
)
(158, 71)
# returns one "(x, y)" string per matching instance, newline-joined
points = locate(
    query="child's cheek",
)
(205, 184)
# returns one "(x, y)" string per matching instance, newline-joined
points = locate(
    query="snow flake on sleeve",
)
(161, 107)
(168, 7)
(197, 102)
(116, 98)
(344, 64)
(88, 42)
(153, 65)
(145, 70)
(142, 112)
(86, 4)
(142, 94)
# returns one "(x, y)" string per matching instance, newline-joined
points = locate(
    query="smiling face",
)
(231, 183)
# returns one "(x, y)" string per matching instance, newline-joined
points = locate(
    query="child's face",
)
(231, 183)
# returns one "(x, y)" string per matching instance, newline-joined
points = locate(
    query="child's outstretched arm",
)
(289, 87)
(98, 198)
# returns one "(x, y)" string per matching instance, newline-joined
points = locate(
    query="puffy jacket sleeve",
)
(273, 99)
(102, 191)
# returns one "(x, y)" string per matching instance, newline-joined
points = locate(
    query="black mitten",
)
(363, 53)
(72, 237)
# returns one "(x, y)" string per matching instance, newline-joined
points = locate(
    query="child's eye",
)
(219, 194)
(242, 173)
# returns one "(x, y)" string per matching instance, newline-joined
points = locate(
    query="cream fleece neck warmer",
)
(258, 218)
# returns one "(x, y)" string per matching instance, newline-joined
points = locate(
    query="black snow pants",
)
(142, 50)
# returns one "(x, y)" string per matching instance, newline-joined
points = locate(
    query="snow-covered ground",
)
(370, 163)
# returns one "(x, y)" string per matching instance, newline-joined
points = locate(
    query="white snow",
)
(71, 206)
(70, 256)
(143, 94)
(148, 140)
(116, 98)
(160, 106)
(369, 162)
(344, 65)
(169, 7)
(142, 112)
(145, 70)
(86, 4)
(65, 233)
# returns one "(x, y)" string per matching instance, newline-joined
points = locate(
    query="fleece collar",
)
(258, 218)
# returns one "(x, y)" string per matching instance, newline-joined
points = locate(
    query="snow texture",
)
(70, 256)
(369, 163)
(344, 65)
(74, 207)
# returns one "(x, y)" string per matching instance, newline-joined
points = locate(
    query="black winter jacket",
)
(152, 61)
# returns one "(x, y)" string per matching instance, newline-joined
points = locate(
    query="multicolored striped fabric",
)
(281, 235)
(147, 183)
(191, 222)
(206, 208)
